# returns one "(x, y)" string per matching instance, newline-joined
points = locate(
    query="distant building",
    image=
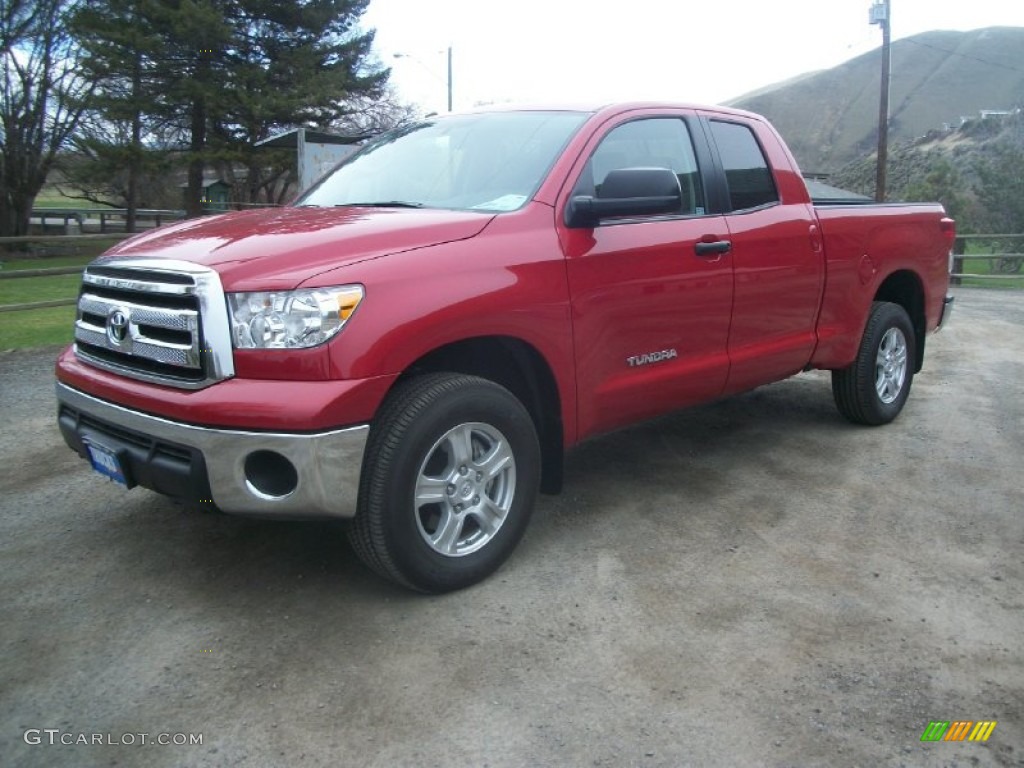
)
(216, 196)
(317, 152)
(987, 113)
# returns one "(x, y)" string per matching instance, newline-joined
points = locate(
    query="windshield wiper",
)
(382, 204)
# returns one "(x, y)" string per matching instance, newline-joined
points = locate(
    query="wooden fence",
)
(14, 274)
(1005, 257)
(76, 220)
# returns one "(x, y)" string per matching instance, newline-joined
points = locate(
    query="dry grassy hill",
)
(830, 118)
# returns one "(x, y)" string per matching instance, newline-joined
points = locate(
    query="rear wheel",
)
(874, 389)
(450, 477)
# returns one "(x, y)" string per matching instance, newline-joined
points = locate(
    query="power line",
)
(963, 55)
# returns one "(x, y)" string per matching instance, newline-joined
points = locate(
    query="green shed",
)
(216, 195)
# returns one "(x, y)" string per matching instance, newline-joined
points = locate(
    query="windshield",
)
(487, 162)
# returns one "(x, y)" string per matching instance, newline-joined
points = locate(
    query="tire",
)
(450, 477)
(874, 389)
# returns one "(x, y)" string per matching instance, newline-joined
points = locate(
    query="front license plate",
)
(106, 462)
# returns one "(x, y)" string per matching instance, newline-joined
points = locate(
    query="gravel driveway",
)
(754, 582)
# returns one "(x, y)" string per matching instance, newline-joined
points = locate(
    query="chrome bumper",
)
(947, 310)
(248, 472)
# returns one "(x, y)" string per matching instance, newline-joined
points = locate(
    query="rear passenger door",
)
(650, 309)
(776, 258)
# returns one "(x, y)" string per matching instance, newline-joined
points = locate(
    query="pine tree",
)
(121, 53)
(290, 65)
(226, 73)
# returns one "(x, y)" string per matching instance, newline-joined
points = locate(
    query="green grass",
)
(987, 266)
(23, 290)
(49, 197)
(29, 289)
(57, 201)
(41, 254)
(46, 263)
(981, 268)
(52, 325)
(36, 327)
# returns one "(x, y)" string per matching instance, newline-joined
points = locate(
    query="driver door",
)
(651, 309)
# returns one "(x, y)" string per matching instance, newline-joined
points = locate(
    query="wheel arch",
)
(906, 289)
(519, 367)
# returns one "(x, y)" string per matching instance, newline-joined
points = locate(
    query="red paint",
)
(246, 404)
(790, 293)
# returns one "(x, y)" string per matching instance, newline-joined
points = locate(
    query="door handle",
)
(716, 248)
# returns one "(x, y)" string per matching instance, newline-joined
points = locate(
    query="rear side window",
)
(750, 179)
(649, 143)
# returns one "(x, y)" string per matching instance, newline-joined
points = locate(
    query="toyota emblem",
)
(117, 326)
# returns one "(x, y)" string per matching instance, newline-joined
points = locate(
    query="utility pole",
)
(431, 71)
(881, 15)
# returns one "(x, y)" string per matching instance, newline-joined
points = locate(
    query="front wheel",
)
(450, 477)
(874, 389)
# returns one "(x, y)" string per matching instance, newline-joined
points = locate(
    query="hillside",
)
(976, 170)
(830, 118)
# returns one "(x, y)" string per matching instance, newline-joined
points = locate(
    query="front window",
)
(486, 162)
(662, 142)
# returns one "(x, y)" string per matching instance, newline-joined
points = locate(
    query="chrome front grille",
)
(159, 321)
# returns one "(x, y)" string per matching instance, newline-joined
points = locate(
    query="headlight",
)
(291, 319)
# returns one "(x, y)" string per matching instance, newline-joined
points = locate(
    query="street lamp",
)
(414, 58)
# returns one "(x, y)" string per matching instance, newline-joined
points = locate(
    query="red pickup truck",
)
(414, 344)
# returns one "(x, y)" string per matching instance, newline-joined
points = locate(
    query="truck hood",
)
(279, 248)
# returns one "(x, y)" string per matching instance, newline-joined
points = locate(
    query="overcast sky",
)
(705, 51)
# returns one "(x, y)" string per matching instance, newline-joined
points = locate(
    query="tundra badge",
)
(652, 357)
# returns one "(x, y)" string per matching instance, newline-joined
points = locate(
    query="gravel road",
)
(754, 582)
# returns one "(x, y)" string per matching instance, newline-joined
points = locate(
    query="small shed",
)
(216, 196)
(316, 151)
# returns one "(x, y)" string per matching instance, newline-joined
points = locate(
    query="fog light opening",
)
(270, 475)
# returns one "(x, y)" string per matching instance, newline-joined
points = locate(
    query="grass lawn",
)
(48, 253)
(1008, 284)
(987, 266)
(47, 263)
(57, 201)
(50, 197)
(28, 289)
(36, 327)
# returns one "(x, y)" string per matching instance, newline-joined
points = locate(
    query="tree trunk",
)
(135, 161)
(11, 224)
(16, 207)
(194, 193)
(197, 143)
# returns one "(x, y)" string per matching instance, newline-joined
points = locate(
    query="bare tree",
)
(42, 97)
(365, 115)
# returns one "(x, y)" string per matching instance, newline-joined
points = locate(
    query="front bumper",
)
(947, 310)
(262, 474)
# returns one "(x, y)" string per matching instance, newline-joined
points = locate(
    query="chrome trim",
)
(947, 310)
(212, 319)
(328, 463)
(264, 496)
(143, 286)
(187, 356)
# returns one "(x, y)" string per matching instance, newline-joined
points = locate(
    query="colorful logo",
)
(958, 730)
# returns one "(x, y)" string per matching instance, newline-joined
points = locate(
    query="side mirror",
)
(627, 192)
